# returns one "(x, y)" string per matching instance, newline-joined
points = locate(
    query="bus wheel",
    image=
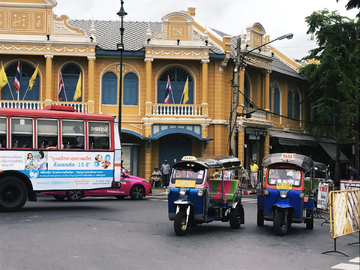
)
(13, 194)
(180, 224)
(280, 226)
(74, 195)
(59, 197)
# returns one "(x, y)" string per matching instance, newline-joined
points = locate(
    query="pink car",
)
(133, 186)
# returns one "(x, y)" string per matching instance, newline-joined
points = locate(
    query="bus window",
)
(3, 133)
(73, 134)
(47, 134)
(99, 135)
(21, 133)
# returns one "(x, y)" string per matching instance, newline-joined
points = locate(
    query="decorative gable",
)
(177, 25)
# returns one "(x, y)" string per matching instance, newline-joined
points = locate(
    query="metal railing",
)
(176, 110)
(39, 105)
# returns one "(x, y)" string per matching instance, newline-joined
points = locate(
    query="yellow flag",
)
(3, 78)
(186, 91)
(33, 78)
(78, 89)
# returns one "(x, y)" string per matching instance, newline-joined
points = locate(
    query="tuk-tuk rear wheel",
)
(180, 224)
(235, 218)
(280, 225)
(310, 222)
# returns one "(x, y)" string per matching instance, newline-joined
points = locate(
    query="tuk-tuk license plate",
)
(185, 183)
(284, 186)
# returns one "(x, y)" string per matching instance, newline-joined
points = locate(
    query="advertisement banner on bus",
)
(57, 170)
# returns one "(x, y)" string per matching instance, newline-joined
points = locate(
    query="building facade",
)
(179, 48)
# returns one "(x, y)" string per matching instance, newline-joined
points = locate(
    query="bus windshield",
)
(284, 175)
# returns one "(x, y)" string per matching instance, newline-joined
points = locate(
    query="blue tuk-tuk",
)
(196, 198)
(284, 195)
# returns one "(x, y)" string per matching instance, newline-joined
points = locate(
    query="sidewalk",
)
(158, 191)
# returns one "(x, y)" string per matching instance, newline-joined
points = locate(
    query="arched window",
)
(297, 106)
(178, 78)
(131, 89)
(26, 71)
(109, 88)
(277, 101)
(70, 74)
(290, 104)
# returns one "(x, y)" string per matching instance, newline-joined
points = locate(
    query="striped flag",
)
(168, 90)
(61, 87)
(17, 80)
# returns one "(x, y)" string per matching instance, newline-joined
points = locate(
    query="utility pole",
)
(239, 64)
(235, 101)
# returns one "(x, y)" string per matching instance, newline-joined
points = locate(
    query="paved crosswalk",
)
(353, 264)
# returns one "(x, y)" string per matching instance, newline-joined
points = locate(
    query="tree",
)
(332, 78)
(352, 4)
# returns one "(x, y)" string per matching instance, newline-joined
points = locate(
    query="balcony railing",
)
(176, 110)
(39, 105)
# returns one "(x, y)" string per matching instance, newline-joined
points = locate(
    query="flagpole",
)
(10, 91)
(65, 92)
(25, 92)
(172, 96)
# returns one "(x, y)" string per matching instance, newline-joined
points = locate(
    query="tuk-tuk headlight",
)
(283, 194)
(301, 195)
(200, 192)
(182, 191)
(266, 192)
(167, 191)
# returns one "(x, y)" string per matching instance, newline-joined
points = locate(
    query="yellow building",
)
(180, 48)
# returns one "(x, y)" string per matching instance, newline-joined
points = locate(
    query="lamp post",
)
(239, 64)
(120, 47)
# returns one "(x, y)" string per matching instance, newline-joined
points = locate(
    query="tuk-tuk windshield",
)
(284, 175)
(188, 174)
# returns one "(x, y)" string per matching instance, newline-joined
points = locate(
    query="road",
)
(106, 233)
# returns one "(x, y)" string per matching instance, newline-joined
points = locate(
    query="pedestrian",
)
(253, 175)
(354, 174)
(165, 170)
(156, 177)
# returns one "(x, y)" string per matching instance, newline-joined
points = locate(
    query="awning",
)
(330, 149)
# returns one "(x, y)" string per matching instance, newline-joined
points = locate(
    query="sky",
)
(278, 17)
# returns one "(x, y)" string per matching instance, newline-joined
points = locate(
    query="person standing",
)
(253, 175)
(354, 174)
(165, 170)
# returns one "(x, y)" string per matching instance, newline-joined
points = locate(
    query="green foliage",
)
(334, 81)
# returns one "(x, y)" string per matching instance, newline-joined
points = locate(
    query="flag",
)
(61, 87)
(78, 89)
(168, 90)
(17, 79)
(33, 78)
(186, 91)
(3, 78)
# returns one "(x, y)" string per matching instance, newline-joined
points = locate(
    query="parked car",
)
(133, 186)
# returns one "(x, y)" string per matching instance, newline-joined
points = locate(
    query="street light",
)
(240, 63)
(120, 47)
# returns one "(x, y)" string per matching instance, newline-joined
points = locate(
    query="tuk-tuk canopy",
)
(216, 162)
(301, 161)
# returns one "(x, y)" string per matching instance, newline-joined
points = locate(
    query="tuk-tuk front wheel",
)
(280, 225)
(235, 218)
(180, 223)
(260, 217)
